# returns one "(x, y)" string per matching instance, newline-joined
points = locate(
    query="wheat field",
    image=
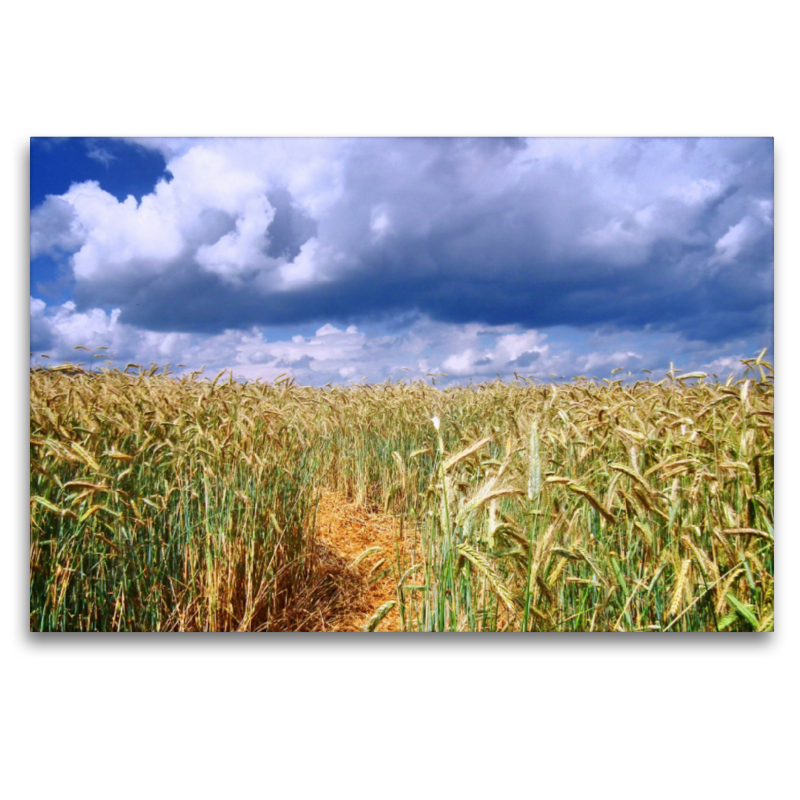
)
(188, 504)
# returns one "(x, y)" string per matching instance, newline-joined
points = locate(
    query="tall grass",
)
(160, 504)
(163, 505)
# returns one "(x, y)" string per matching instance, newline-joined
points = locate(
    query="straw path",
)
(344, 530)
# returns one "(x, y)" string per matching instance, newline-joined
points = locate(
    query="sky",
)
(349, 260)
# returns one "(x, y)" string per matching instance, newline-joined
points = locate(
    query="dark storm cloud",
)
(290, 228)
(672, 234)
(41, 334)
(525, 360)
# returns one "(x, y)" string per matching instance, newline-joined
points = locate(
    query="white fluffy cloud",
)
(417, 351)
(593, 361)
(55, 226)
(521, 352)
(241, 251)
(330, 354)
(215, 212)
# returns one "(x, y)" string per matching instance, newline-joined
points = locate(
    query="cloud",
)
(55, 228)
(99, 154)
(668, 235)
(67, 329)
(737, 237)
(412, 349)
(592, 361)
(242, 251)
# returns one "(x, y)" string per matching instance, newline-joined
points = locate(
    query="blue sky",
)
(345, 259)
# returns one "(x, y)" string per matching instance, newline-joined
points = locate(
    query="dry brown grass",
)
(351, 587)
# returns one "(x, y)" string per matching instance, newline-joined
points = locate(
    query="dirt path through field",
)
(345, 530)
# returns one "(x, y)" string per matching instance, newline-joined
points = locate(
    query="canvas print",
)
(402, 385)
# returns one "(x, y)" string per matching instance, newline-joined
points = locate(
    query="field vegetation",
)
(165, 504)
